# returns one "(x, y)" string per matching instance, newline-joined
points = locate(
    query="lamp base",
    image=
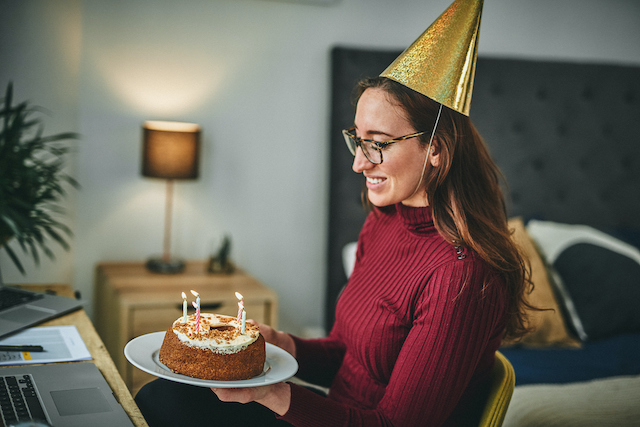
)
(162, 266)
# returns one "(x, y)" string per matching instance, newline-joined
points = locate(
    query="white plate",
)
(143, 351)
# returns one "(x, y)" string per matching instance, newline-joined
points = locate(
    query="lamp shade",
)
(170, 150)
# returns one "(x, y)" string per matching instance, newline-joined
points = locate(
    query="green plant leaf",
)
(55, 236)
(32, 180)
(14, 258)
(34, 251)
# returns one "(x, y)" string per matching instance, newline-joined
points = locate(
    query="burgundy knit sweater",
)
(411, 344)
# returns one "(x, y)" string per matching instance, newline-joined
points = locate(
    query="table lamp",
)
(170, 150)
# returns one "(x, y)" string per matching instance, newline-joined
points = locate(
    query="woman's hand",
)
(276, 397)
(277, 338)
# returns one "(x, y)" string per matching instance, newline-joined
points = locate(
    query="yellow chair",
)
(503, 381)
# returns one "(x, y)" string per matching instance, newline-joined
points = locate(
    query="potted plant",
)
(32, 182)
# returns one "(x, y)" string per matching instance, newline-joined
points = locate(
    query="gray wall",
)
(255, 75)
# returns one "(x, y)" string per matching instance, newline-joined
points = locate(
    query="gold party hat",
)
(441, 63)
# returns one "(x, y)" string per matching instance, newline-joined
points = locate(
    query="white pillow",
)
(553, 238)
(349, 257)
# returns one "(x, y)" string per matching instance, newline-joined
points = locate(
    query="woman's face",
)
(396, 179)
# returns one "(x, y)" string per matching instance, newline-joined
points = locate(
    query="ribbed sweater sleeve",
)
(416, 331)
(319, 359)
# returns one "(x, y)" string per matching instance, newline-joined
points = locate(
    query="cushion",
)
(608, 357)
(549, 327)
(598, 277)
(602, 402)
(349, 257)
(553, 237)
(604, 287)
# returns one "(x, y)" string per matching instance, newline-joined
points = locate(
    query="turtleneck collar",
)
(417, 220)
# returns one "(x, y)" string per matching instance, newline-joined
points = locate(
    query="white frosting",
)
(231, 341)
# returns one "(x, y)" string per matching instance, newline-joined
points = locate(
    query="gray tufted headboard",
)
(565, 135)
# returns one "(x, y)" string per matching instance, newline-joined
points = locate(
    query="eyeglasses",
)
(372, 149)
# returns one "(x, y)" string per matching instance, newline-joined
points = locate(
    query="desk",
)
(97, 349)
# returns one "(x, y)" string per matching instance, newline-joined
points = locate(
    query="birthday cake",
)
(216, 351)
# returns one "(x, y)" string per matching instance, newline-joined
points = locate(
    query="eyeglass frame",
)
(378, 145)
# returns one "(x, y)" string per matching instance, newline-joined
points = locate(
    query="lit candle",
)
(197, 307)
(244, 320)
(197, 317)
(240, 306)
(184, 308)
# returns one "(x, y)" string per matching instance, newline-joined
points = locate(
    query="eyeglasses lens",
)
(353, 142)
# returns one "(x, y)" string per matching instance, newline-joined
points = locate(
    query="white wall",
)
(255, 75)
(40, 49)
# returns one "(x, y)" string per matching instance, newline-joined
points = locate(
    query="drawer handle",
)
(207, 306)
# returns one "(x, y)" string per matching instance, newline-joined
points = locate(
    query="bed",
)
(564, 135)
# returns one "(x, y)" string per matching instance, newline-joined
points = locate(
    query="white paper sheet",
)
(60, 343)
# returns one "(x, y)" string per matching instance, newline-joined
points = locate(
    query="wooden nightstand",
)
(131, 301)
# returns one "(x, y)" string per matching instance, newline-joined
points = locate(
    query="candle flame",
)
(239, 295)
(184, 296)
(195, 294)
(194, 304)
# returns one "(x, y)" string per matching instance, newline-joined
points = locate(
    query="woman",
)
(436, 286)
(437, 283)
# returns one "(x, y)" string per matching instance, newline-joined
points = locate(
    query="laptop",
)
(20, 308)
(61, 395)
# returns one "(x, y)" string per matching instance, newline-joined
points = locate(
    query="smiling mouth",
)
(374, 180)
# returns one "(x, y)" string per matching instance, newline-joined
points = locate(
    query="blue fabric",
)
(616, 356)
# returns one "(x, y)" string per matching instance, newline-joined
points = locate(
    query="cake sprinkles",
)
(216, 350)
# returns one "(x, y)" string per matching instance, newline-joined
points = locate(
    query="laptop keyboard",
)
(11, 297)
(19, 400)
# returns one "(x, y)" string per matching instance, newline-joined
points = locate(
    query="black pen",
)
(21, 348)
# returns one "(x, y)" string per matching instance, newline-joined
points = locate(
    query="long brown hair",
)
(464, 193)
